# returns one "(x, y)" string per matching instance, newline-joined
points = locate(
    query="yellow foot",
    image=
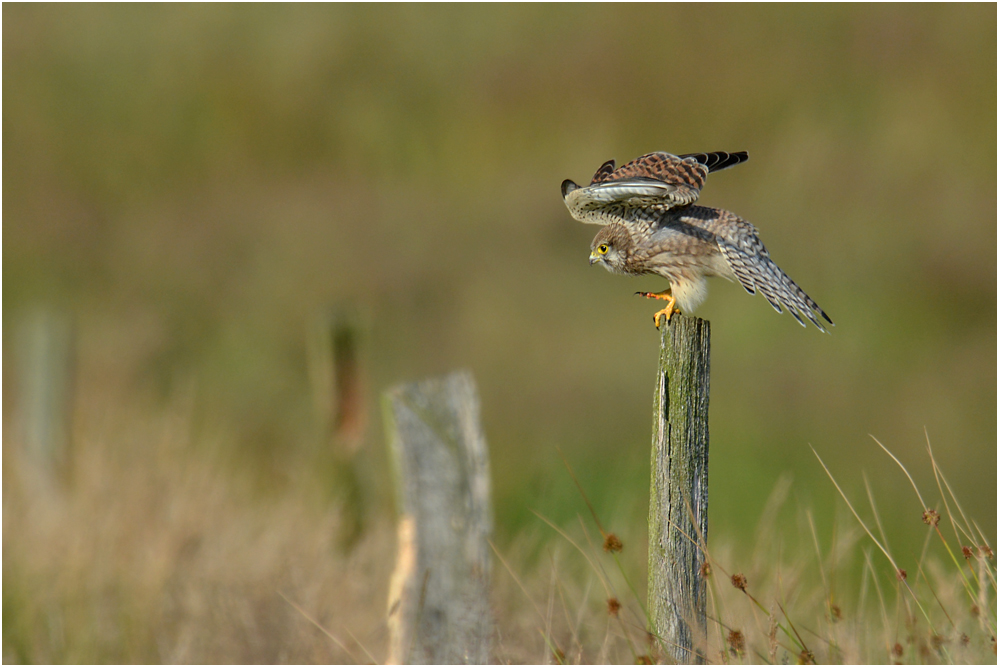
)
(666, 312)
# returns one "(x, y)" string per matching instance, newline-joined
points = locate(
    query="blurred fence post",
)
(45, 351)
(336, 374)
(678, 495)
(439, 595)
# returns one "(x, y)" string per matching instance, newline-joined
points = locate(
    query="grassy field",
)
(162, 551)
(192, 190)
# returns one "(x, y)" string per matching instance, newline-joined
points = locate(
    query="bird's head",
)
(611, 248)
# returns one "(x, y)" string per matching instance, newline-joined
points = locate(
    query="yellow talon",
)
(668, 311)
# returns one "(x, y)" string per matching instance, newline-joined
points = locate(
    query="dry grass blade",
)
(325, 632)
(864, 526)
(361, 645)
(554, 650)
(819, 554)
(582, 607)
(517, 580)
(939, 479)
(983, 538)
(609, 590)
(621, 570)
(930, 587)
(544, 619)
(875, 514)
(854, 512)
(798, 639)
(900, 464)
(607, 586)
(608, 538)
(553, 578)
(576, 482)
(881, 599)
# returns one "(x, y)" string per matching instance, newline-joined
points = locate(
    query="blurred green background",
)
(197, 185)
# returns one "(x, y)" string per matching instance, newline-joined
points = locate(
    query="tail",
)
(718, 160)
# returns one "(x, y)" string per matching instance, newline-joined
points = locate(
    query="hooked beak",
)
(594, 257)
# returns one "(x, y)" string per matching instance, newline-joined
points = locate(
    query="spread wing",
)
(646, 187)
(751, 263)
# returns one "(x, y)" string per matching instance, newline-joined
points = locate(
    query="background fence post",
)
(439, 595)
(45, 348)
(678, 495)
(337, 379)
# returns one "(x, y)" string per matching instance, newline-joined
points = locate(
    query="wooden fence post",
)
(678, 495)
(439, 608)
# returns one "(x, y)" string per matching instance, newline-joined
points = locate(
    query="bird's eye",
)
(602, 249)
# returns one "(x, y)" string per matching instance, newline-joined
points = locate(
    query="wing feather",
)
(604, 172)
(751, 263)
(645, 187)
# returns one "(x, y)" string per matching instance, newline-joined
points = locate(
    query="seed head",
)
(967, 552)
(612, 543)
(901, 574)
(964, 639)
(987, 551)
(739, 581)
(614, 605)
(772, 640)
(737, 643)
(931, 517)
(705, 570)
(806, 658)
(835, 613)
(897, 649)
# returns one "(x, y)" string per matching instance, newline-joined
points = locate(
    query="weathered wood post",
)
(678, 494)
(439, 595)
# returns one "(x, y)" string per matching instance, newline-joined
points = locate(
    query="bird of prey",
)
(651, 226)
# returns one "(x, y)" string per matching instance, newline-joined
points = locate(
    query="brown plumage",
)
(652, 227)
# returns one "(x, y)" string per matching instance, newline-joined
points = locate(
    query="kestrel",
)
(651, 226)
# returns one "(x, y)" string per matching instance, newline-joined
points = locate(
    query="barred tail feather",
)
(718, 160)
